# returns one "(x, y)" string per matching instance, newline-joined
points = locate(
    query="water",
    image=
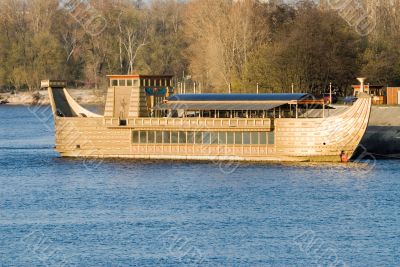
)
(63, 212)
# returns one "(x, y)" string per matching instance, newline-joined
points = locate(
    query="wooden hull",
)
(302, 139)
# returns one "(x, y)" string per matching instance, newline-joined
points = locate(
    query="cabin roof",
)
(215, 106)
(239, 97)
(230, 101)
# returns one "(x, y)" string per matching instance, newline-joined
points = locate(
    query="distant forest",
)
(215, 43)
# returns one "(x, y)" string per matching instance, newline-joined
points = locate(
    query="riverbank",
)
(380, 115)
(82, 96)
(385, 116)
(382, 138)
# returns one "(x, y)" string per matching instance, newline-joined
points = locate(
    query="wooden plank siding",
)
(392, 95)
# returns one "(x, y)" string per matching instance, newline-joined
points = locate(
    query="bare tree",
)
(222, 33)
(133, 34)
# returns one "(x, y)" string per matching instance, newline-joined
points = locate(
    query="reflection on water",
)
(56, 211)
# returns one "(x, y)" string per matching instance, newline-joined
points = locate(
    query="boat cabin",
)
(238, 105)
(135, 95)
(132, 96)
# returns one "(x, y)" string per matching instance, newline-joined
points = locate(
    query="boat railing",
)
(192, 122)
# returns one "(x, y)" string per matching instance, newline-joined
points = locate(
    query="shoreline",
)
(382, 137)
(82, 96)
(380, 115)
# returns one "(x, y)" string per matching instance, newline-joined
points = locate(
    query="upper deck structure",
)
(144, 119)
(135, 95)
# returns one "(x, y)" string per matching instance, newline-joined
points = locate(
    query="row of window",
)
(203, 138)
(143, 82)
(124, 82)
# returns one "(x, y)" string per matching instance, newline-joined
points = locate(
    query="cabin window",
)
(214, 138)
(174, 138)
(271, 138)
(263, 138)
(135, 82)
(230, 138)
(114, 82)
(166, 137)
(198, 138)
(246, 138)
(129, 82)
(222, 138)
(121, 82)
(135, 137)
(206, 138)
(143, 137)
(151, 137)
(238, 138)
(159, 138)
(254, 138)
(182, 137)
(190, 137)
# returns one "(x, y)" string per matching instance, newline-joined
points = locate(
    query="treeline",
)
(215, 43)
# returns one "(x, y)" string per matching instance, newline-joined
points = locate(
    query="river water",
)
(63, 212)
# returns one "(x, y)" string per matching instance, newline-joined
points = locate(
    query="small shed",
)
(393, 95)
(381, 95)
(378, 93)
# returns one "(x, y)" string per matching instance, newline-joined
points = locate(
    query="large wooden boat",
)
(143, 119)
